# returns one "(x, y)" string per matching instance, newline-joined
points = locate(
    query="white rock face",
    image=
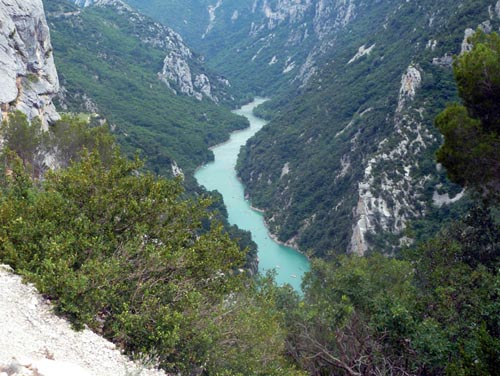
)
(393, 201)
(28, 75)
(283, 10)
(84, 3)
(445, 199)
(34, 342)
(466, 46)
(362, 51)
(315, 20)
(328, 14)
(410, 82)
(177, 72)
(331, 15)
(212, 9)
(176, 170)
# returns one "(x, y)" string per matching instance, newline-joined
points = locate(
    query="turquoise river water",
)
(220, 175)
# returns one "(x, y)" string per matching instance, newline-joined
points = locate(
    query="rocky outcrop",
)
(212, 9)
(27, 71)
(466, 45)
(362, 51)
(410, 82)
(35, 342)
(305, 19)
(389, 197)
(331, 15)
(84, 3)
(177, 75)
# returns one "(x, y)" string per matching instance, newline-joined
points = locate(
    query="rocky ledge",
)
(35, 342)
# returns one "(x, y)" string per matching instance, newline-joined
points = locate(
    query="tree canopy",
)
(471, 130)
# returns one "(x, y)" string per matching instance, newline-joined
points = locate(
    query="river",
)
(220, 175)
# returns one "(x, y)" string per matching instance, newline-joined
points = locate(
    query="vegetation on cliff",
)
(109, 63)
(126, 253)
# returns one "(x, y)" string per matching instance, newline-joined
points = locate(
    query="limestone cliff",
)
(262, 44)
(27, 72)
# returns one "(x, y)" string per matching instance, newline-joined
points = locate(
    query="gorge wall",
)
(349, 161)
(27, 71)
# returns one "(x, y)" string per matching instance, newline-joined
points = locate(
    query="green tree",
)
(457, 280)
(25, 139)
(356, 317)
(471, 149)
(127, 254)
(69, 135)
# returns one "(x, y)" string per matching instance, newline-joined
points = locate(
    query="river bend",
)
(220, 175)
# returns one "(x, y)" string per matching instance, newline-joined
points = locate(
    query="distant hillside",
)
(262, 46)
(140, 76)
(349, 162)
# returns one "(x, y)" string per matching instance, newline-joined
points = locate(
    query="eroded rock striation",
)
(28, 75)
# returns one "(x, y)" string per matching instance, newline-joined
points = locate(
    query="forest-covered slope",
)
(263, 46)
(140, 76)
(347, 163)
(130, 256)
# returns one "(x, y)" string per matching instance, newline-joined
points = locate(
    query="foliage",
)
(457, 277)
(129, 255)
(252, 333)
(471, 149)
(434, 312)
(356, 317)
(69, 135)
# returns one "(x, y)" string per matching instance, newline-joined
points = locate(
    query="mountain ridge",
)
(109, 59)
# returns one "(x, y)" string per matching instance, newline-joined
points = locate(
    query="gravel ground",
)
(30, 334)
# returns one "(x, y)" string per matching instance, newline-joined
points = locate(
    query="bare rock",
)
(35, 342)
(27, 71)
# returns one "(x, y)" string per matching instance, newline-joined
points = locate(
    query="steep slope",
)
(261, 45)
(143, 79)
(349, 157)
(27, 72)
(182, 70)
(350, 161)
(44, 344)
